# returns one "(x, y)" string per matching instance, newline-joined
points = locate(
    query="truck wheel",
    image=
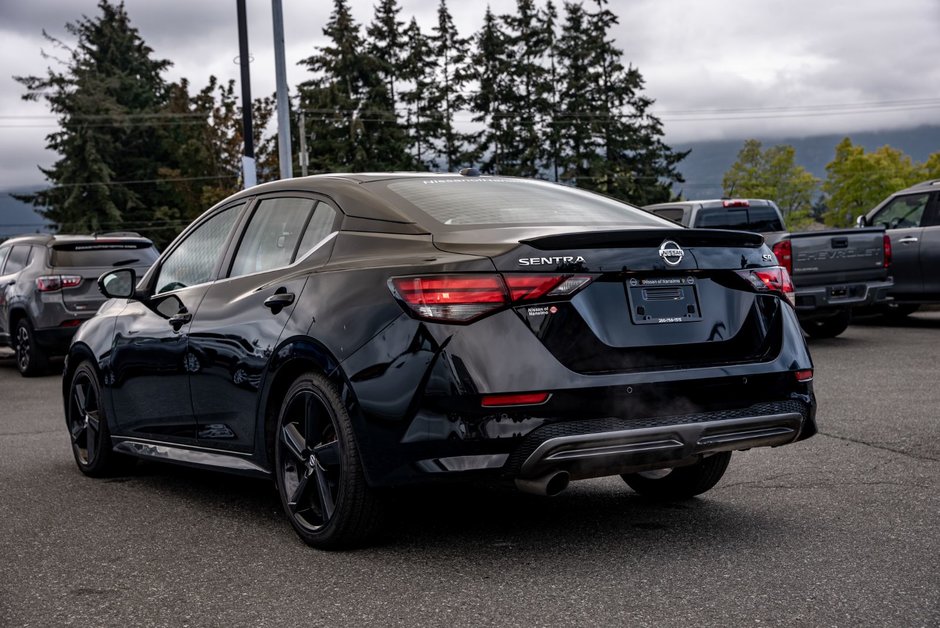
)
(829, 327)
(681, 482)
(895, 312)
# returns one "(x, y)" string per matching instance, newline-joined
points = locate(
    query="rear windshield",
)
(466, 202)
(104, 254)
(762, 219)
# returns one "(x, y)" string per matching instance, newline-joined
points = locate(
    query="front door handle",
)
(178, 320)
(278, 301)
(907, 240)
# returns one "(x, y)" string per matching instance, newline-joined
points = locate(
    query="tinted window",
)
(320, 226)
(670, 213)
(903, 211)
(491, 201)
(272, 236)
(195, 259)
(760, 218)
(19, 255)
(104, 254)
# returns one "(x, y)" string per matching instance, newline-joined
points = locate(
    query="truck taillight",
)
(51, 283)
(464, 298)
(736, 202)
(775, 279)
(887, 241)
(784, 252)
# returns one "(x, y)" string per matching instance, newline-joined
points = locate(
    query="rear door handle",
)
(907, 240)
(278, 301)
(178, 320)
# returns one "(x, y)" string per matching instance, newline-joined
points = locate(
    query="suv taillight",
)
(51, 283)
(887, 241)
(464, 298)
(774, 279)
(784, 252)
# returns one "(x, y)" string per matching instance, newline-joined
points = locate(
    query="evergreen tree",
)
(574, 116)
(108, 100)
(353, 121)
(495, 84)
(451, 52)
(386, 44)
(528, 88)
(421, 117)
(549, 93)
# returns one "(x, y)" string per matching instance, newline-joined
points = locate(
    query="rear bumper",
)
(852, 294)
(671, 442)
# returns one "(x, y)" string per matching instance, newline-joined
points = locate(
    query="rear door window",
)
(19, 256)
(273, 235)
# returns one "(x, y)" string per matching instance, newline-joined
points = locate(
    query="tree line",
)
(856, 181)
(535, 93)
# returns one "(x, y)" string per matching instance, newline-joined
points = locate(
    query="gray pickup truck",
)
(832, 271)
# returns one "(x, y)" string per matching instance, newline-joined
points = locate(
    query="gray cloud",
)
(695, 56)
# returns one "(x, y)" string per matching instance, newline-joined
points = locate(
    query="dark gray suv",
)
(48, 288)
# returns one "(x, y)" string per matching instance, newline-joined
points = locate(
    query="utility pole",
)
(283, 108)
(249, 175)
(304, 160)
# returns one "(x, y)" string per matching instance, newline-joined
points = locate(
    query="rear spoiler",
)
(645, 237)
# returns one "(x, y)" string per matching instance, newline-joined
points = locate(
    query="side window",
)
(903, 211)
(3, 257)
(19, 256)
(195, 259)
(271, 239)
(320, 226)
(670, 213)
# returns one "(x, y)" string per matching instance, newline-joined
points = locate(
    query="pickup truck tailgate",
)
(838, 256)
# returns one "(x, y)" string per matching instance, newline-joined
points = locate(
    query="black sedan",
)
(348, 334)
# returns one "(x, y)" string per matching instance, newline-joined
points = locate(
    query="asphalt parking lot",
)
(840, 530)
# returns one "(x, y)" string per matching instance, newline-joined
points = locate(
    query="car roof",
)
(923, 186)
(713, 202)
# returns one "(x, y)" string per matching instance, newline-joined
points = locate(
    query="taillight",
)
(51, 283)
(784, 252)
(773, 279)
(887, 241)
(804, 375)
(463, 298)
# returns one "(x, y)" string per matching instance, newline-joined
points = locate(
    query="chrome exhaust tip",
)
(550, 484)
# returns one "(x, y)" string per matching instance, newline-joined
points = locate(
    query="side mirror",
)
(861, 221)
(118, 284)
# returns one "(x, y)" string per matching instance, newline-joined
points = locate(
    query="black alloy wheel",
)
(29, 360)
(319, 476)
(88, 426)
(680, 482)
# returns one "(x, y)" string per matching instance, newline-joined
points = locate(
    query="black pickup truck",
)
(832, 270)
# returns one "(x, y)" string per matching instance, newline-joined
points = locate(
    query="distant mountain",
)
(17, 217)
(708, 161)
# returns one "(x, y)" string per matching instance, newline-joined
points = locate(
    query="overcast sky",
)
(716, 68)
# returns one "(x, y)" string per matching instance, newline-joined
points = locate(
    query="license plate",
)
(658, 300)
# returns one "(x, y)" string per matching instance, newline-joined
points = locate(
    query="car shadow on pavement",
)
(591, 517)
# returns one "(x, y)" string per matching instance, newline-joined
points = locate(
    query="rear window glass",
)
(762, 219)
(471, 201)
(105, 254)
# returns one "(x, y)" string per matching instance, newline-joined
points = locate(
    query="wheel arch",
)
(295, 356)
(78, 353)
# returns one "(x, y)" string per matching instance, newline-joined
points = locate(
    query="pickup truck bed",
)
(832, 270)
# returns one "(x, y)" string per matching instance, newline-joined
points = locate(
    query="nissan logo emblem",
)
(671, 252)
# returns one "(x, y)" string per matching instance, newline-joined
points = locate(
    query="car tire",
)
(680, 482)
(896, 312)
(29, 360)
(88, 426)
(318, 470)
(829, 327)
